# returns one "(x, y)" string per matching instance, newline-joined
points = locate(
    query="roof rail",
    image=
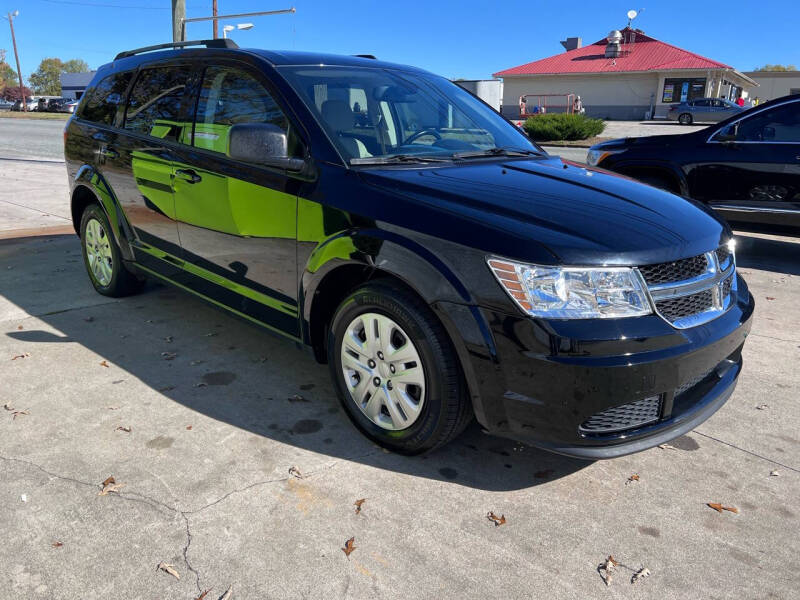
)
(218, 43)
(370, 56)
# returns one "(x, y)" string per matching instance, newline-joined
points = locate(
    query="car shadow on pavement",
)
(230, 370)
(770, 254)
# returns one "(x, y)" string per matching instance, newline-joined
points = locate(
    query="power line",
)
(96, 5)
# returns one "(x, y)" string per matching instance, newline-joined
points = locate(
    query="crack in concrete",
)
(158, 505)
(751, 453)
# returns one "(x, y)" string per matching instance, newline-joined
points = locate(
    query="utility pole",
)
(178, 18)
(214, 12)
(24, 100)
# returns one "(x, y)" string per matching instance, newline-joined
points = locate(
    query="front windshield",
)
(373, 113)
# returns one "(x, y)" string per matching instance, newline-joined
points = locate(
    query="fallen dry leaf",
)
(112, 407)
(203, 595)
(605, 569)
(58, 544)
(104, 364)
(168, 355)
(19, 413)
(667, 447)
(201, 384)
(227, 595)
(110, 485)
(349, 546)
(8, 406)
(296, 472)
(762, 407)
(358, 504)
(770, 297)
(194, 363)
(19, 328)
(168, 569)
(188, 427)
(774, 473)
(501, 520)
(640, 574)
(632, 478)
(297, 398)
(89, 319)
(125, 429)
(166, 388)
(543, 474)
(719, 508)
(212, 334)
(23, 355)
(168, 339)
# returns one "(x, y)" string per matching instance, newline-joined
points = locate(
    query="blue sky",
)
(455, 38)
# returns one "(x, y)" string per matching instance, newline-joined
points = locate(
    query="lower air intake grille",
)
(677, 308)
(692, 382)
(621, 418)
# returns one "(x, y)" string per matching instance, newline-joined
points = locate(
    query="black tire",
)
(446, 410)
(122, 282)
(685, 119)
(658, 181)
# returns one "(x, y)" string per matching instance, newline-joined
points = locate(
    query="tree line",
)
(45, 81)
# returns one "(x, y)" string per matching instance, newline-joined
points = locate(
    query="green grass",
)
(8, 114)
(560, 126)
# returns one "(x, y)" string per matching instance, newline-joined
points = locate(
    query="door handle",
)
(188, 175)
(109, 152)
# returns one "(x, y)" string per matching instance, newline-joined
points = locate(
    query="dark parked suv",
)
(441, 263)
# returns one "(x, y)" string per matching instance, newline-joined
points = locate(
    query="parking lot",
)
(238, 467)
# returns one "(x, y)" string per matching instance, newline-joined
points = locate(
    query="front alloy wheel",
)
(383, 371)
(395, 369)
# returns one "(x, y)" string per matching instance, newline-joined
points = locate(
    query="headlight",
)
(573, 293)
(596, 155)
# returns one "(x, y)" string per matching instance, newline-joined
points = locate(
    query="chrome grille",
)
(678, 270)
(692, 291)
(685, 306)
(621, 418)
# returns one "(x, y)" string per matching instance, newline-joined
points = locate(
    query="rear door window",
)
(154, 106)
(102, 102)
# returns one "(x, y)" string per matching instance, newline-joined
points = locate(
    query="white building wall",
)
(773, 85)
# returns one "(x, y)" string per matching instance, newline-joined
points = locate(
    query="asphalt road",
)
(32, 139)
(215, 430)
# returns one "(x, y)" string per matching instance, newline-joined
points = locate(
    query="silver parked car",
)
(702, 109)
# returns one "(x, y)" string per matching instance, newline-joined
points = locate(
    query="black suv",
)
(441, 263)
(747, 167)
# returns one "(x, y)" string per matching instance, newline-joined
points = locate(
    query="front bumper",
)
(541, 381)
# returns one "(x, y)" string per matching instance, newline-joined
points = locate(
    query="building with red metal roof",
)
(626, 75)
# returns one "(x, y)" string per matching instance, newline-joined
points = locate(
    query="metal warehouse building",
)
(628, 75)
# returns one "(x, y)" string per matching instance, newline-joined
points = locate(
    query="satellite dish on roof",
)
(632, 14)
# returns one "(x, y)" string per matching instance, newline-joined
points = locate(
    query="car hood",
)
(582, 215)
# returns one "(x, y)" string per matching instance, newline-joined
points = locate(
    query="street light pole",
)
(214, 12)
(24, 100)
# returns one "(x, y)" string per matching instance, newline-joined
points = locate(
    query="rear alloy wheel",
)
(395, 370)
(102, 257)
(685, 119)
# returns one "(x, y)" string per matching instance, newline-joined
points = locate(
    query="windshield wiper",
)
(495, 152)
(396, 158)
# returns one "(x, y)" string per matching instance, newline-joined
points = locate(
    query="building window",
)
(683, 89)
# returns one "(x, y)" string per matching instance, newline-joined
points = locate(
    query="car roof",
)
(277, 58)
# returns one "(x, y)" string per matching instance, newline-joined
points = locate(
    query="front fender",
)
(89, 181)
(377, 252)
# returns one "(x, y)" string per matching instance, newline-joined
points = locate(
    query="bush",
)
(562, 126)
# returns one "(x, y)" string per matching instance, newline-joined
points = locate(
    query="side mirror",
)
(727, 134)
(261, 144)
